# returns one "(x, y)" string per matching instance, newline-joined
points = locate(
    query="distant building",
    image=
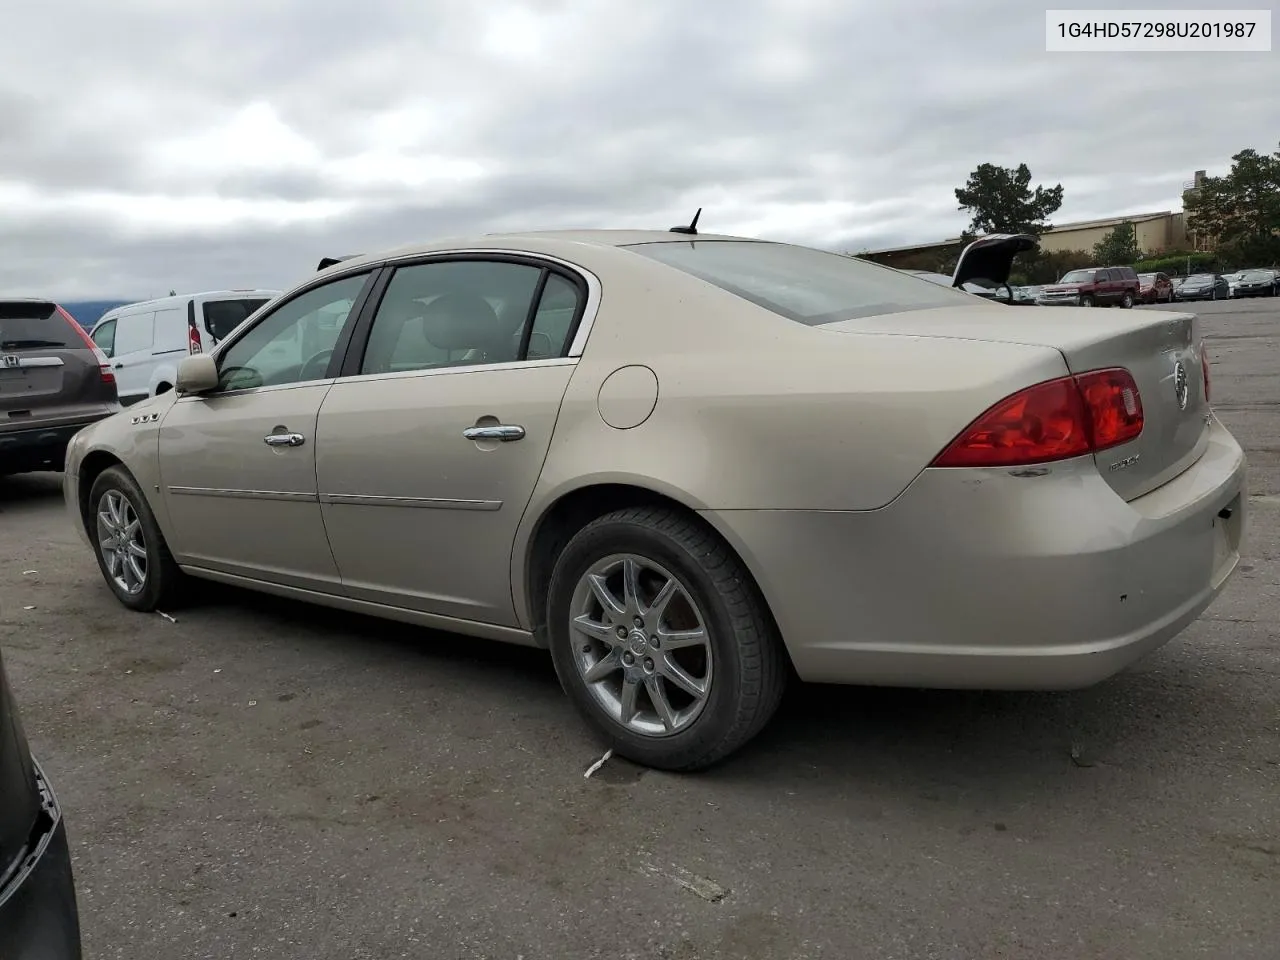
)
(1156, 232)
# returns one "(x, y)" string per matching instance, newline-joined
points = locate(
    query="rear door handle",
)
(284, 440)
(506, 432)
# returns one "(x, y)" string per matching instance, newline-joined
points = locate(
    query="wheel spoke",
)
(631, 585)
(608, 664)
(680, 677)
(106, 545)
(113, 564)
(660, 702)
(629, 690)
(137, 550)
(612, 608)
(592, 628)
(676, 639)
(105, 518)
(131, 530)
(131, 563)
(664, 597)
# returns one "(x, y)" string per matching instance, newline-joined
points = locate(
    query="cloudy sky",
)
(151, 144)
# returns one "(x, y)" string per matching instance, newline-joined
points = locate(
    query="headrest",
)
(461, 321)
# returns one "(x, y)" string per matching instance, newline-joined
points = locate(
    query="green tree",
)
(1119, 247)
(1239, 212)
(1000, 200)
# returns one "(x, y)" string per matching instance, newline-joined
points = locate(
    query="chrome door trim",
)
(285, 495)
(430, 503)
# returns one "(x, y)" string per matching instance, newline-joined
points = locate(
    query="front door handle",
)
(284, 440)
(506, 432)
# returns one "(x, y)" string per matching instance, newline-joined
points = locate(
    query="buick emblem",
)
(1180, 384)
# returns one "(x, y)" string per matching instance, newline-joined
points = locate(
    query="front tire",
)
(1086, 301)
(661, 639)
(132, 553)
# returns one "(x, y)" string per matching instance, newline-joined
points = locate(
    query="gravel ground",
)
(266, 779)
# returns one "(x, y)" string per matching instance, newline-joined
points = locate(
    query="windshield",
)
(35, 325)
(802, 284)
(1200, 278)
(1077, 276)
(1256, 275)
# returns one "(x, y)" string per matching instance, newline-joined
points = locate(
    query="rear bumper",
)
(41, 447)
(980, 579)
(39, 919)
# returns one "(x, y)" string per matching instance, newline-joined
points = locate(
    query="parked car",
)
(39, 919)
(1093, 286)
(1026, 296)
(1203, 286)
(145, 340)
(687, 464)
(1155, 288)
(53, 381)
(1257, 283)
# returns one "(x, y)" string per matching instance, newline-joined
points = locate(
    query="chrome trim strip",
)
(244, 494)
(28, 362)
(254, 391)
(430, 503)
(461, 368)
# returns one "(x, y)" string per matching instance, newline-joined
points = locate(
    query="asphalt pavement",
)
(264, 779)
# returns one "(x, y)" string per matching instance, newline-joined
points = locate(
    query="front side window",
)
(293, 343)
(802, 284)
(105, 337)
(451, 313)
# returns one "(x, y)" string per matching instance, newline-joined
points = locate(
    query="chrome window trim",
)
(460, 368)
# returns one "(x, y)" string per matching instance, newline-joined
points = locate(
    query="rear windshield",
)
(35, 326)
(809, 286)
(223, 316)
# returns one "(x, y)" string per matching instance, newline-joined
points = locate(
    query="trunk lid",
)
(47, 369)
(1161, 350)
(991, 257)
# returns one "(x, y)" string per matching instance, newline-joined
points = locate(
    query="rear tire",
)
(132, 553)
(1127, 300)
(732, 670)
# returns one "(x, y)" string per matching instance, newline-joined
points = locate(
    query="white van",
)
(145, 341)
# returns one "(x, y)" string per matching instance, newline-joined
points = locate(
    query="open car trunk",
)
(20, 805)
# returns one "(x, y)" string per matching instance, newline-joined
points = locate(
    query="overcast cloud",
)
(145, 145)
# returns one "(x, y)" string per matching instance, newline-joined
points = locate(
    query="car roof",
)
(540, 241)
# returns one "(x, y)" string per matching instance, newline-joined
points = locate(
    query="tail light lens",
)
(193, 339)
(1054, 420)
(104, 367)
(1204, 367)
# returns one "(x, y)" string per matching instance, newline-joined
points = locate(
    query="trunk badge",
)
(1180, 390)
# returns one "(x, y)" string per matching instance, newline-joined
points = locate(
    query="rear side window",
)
(802, 284)
(35, 325)
(223, 316)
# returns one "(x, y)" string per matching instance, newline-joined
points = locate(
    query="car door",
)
(131, 359)
(430, 450)
(238, 464)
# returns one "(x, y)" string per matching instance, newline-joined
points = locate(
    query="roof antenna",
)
(692, 228)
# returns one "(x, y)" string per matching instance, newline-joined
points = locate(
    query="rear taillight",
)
(193, 339)
(104, 368)
(1204, 367)
(1054, 420)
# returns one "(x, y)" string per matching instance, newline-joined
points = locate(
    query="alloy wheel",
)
(121, 542)
(641, 645)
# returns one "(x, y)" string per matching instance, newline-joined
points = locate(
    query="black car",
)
(53, 381)
(1257, 283)
(39, 919)
(1203, 286)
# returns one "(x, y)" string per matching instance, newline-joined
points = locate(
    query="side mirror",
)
(197, 373)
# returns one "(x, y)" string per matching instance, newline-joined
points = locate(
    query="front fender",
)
(130, 437)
